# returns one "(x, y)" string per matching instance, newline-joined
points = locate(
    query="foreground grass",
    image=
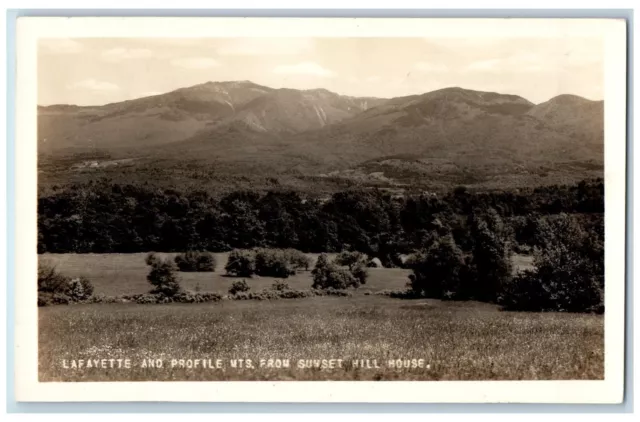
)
(459, 340)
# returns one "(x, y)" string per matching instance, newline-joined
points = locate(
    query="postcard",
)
(320, 210)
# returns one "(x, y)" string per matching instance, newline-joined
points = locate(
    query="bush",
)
(241, 263)
(360, 273)
(192, 297)
(437, 272)
(273, 263)
(238, 287)
(55, 288)
(328, 275)
(274, 294)
(357, 263)
(398, 294)
(162, 277)
(51, 281)
(333, 292)
(79, 289)
(193, 261)
(280, 285)
(45, 299)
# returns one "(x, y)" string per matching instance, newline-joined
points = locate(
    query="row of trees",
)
(133, 218)
(568, 271)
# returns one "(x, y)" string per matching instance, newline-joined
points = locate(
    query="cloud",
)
(431, 67)
(61, 46)
(119, 54)
(304, 68)
(195, 63)
(94, 85)
(265, 46)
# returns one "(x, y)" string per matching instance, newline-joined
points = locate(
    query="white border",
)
(27, 388)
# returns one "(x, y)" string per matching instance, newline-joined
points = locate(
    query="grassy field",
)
(460, 341)
(119, 274)
(445, 340)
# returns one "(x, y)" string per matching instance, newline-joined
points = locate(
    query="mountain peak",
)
(569, 99)
(483, 96)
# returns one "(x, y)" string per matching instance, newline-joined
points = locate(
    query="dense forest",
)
(105, 217)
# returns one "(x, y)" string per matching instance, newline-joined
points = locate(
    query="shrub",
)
(79, 289)
(44, 299)
(193, 261)
(357, 263)
(238, 287)
(328, 275)
(360, 273)
(437, 272)
(60, 299)
(162, 277)
(398, 294)
(280, 285)
(334, 292)
(272, 294)
(51, 281)
(241, 263)
(55, 288)
(192, 297)
(148, 298)
(272, 263)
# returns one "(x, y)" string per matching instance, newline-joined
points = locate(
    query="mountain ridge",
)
(451, 133)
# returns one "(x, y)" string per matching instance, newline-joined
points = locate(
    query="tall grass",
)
(459, 340)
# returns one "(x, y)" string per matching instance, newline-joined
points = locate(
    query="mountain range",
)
(456, 135)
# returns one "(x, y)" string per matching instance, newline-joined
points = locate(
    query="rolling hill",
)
(452, 135)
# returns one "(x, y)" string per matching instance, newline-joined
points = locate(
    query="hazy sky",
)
(92, 71)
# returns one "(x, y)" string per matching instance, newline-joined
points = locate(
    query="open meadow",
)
(437, 340)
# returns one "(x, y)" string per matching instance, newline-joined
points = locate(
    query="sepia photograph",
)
(268, 206)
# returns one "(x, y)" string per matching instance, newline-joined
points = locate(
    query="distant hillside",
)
(452, 135)
(575, 116)
(180, 114)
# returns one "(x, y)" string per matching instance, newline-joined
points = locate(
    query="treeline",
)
(103, 217)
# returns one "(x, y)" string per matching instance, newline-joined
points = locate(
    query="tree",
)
(162, 277)
(241, 263)
(327, 275)
(299, 260)
(562, 280)
(351, 258)
(490, 265)
(437, 272)
(568, 272)
(357, 263)
(195, 261)
(273, 263)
